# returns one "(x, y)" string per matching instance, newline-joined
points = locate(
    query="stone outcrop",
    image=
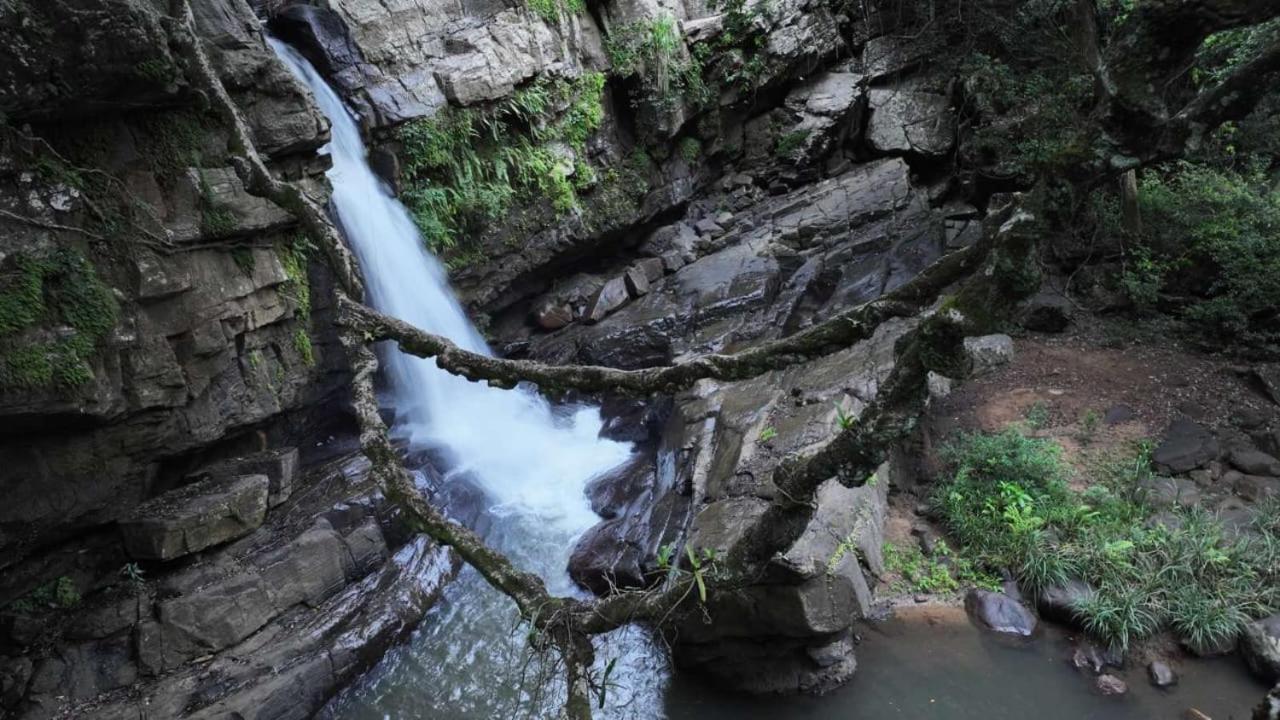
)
(195, 517)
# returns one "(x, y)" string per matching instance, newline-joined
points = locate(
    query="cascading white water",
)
(532, 462)
(511, 442)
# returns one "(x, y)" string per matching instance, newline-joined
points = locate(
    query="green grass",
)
(1006, 501)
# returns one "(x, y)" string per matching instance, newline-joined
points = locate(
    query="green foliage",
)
(293, 257)
(1089, 423)
(467, 167)
(1007, 503)
(1024, 115)
(57, 594)
(58, 289)
(690, 149)
(550, 10)
(1038, 415)
(768, 434)
(944, 572)
(1211, 239)
(654, 52)
(791, 142)
(845, 420)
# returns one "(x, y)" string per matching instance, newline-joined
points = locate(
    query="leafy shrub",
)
(1212, 237)
(1006, 502)
(467, 167)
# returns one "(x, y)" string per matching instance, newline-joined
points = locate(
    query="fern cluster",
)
(466, 167)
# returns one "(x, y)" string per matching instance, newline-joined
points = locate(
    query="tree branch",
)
(832, 335)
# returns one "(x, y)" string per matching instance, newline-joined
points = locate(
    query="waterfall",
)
(531, 460)
(528, 459)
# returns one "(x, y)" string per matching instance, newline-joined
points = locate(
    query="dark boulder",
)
(1058, 602)
(1253, 462)
(611, 296)
(1260, 647)
(1185, 447)
(999, 613)
(1046, 312)
(1161, 675)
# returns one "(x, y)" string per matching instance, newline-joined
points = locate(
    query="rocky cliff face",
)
(159, 325)
(183, 512)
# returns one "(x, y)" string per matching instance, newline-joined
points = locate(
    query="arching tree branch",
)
(834, 334)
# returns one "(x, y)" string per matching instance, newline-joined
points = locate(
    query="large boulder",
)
(988, 352)
(197, 516)
(1186, 446)
(908, 121)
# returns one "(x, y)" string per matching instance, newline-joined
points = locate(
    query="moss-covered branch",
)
(834, 334)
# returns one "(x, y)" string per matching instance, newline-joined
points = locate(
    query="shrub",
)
(467, 167)
(1211, 239)
(1006, 501)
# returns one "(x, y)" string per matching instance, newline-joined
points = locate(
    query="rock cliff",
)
(185, 509)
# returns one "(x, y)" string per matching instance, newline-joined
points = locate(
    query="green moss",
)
(293, 257)
(690, 149)
(156, 70)
(173, 141)
(58, 289)
(244, 259)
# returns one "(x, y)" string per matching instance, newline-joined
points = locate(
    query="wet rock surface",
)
(999, 613)
(1260, 646)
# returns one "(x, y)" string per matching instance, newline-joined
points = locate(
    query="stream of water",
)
(532, 461)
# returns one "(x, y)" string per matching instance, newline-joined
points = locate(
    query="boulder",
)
(1253, 462)
(652, 268)
(999, 613)
(1111, 685)
(279, 465)
(988, 352)
(197, 516)
(906, 121)
(637, 281)
(1260, 647)
(1186, 446)
(1253, 488)
(1046, 312)
(1087, 656)
(1161, 674)
(1167, 492)
(553, 316)
(611, 296)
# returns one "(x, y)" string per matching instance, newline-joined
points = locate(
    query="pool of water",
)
(931, 663)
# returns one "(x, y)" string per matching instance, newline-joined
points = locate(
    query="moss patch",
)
(49, 291)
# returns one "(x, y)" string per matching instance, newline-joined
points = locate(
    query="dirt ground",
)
(1096, 389)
